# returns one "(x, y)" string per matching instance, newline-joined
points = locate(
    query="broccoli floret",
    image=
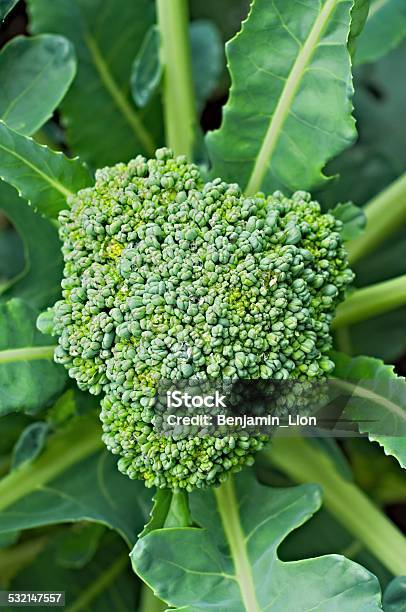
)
(168, 277)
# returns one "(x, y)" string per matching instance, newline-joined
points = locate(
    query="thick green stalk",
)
(371, 301)
(27, 353)
(303, 463)
(64, 449)
(385, 214)
(178, 93)
(227, 504)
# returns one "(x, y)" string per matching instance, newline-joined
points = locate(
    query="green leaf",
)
(29, 380)
(178, 513)
(304, 462)
(74, 479)
(394, 599)
(384, 30)
(289, 109)
(231, 562)
(103, 125)
(35, 74)
(44, 177)
(207, 63)
(353, 219)
(30, 443)
(11, 426)
(359, 15)
(207, 59)
(323, 535)
(146, 71)
(39, 281)
(11, 253)
(105, 584)
(377, 159)
(79, 545)
(8, 539)
(379, 475)
(378, 401)
(169, 509)
(5, 7)
(159, 511)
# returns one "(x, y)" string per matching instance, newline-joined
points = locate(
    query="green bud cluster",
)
(168, 277)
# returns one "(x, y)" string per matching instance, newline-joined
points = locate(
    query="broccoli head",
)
(169, 278)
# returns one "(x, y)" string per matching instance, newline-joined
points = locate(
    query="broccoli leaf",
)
(39, 283)
(79, 545)
(384, 30)
(103, 125)
(159, 511)
(323, 535)
(30, 443)
(73, 480)
(35, 74)
(5, 7)
(378, 401)
(207, 62)
(146, 72)
(44, 177)
(289, 109)
(379, 475)
(231, 562)
(394, 599)
(11, 427)
(30, 381)
(8, 539)
(11, 252)
(353, 219)
(106, 583)
(359, 15)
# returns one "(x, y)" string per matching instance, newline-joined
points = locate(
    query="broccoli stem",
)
(303, 462)
(178, 93)
(371, 301)
(385, 214)
(27, 353)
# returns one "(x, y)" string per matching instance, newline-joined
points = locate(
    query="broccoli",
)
(169, 277)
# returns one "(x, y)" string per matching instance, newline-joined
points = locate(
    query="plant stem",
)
(303, 463)
(385, 214)
(78, 441)
(149, 602)
(102, 582)
(228, 509)
(343, 342)
(27, 353)
(371, 301)
(178, 93)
